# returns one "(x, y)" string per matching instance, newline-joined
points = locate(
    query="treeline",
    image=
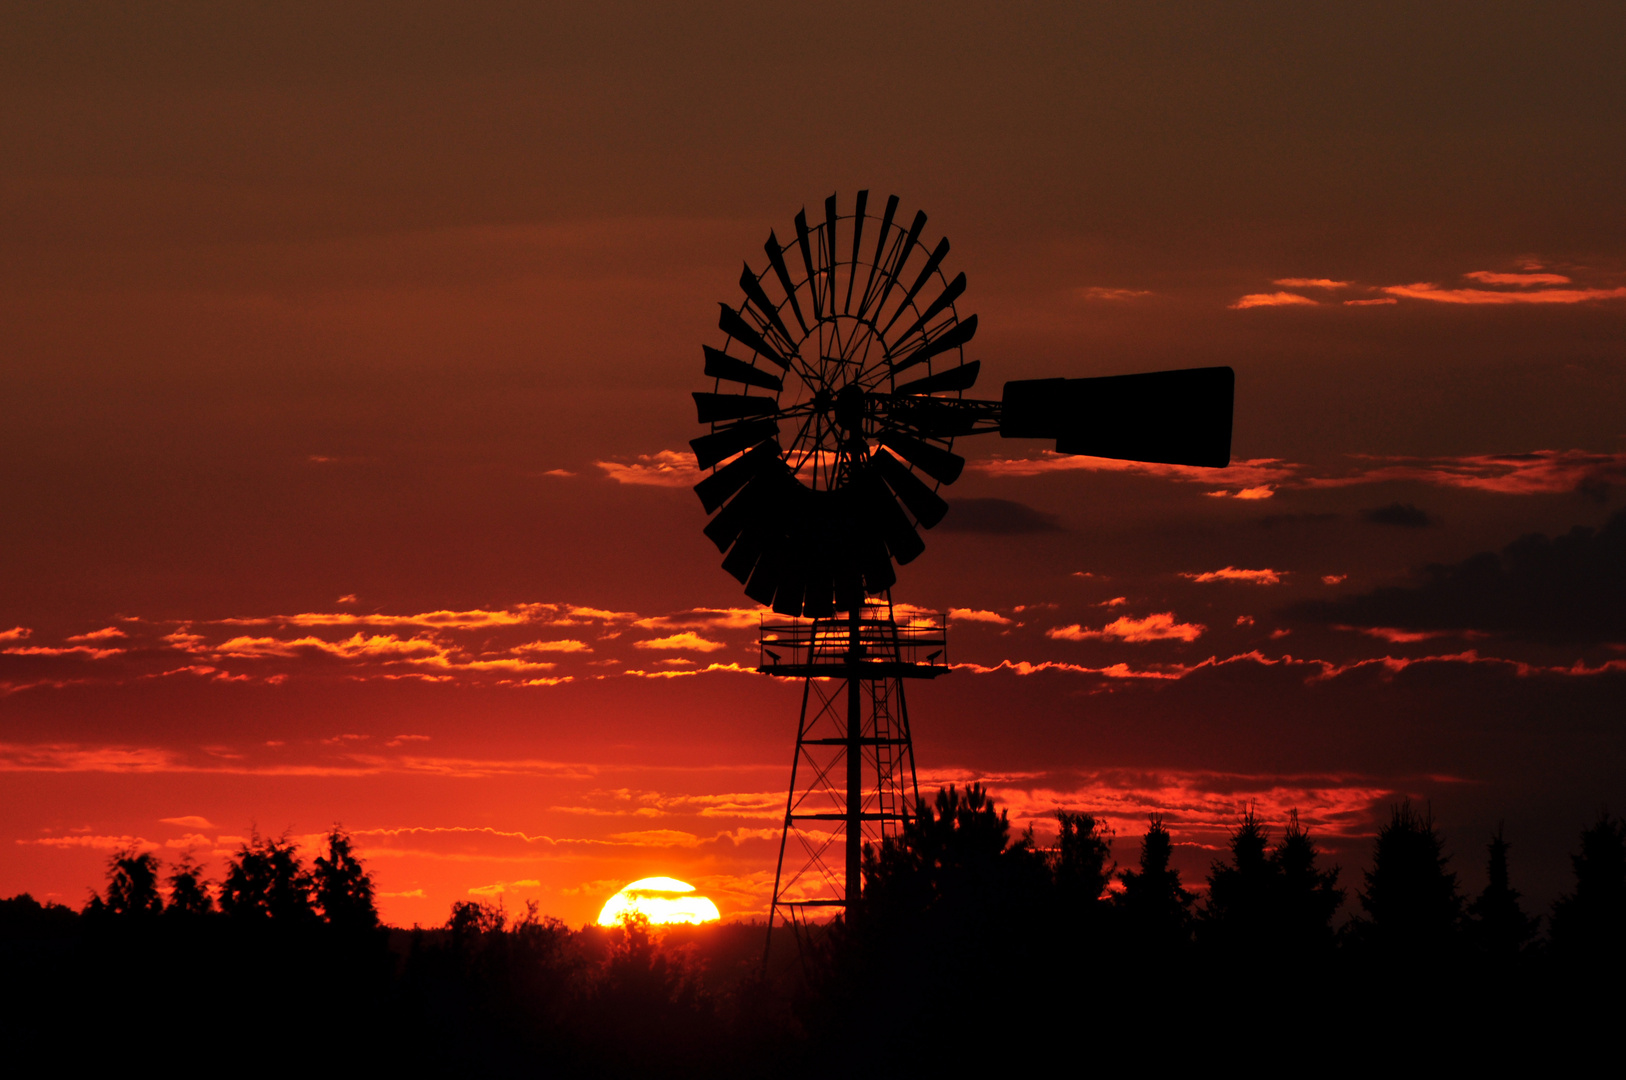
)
(968, 939)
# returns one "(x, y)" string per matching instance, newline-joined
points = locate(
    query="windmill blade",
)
(1168, 417)
(963, 377)
(858, 238)
(876, 568)
(730, 323)
(742, 558)
(830, 257)
(807, 261)
(776, 259)
(944, 299)
(765, 578)
(880, 246)
(882, 509)
(893, 269)
(819, 601)
(716, 489)
(714, 408)
(927, 506)
(792, 585)
(941, 465)
(759, 299)
(952, 338)
(720, 365)
(937, 256)
(710, 449)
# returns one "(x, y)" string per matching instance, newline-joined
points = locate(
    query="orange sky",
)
(344, 396)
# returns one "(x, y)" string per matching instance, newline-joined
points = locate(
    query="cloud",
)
(961, 614)
(1377, 301)
(106, 633)
(1489, 277)
(1334, 579)
(1098, 292)
(1310, 283)
(688, 639)
(1539, 472)
(996, 517)
(99, 843)
(190, 821)
(16, 633)
(86, 651)
(1159, 627)
(1275, 299)
(1424, 290)
(723, 618)
(666, 468)
(1252, 472)
(1568, 589)
(1404, 515)
(1232, 573)
(566, 645)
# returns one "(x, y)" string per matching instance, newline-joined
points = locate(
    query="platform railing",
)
(917, 639)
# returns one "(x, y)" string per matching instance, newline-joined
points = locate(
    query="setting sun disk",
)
(660, 900)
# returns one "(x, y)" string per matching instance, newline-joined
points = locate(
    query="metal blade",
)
(720, 365)
(819, 602)
(953, 338)
(877, 568)
(947, 297)
(927, 506)
(714, 408)
(858, 238)
(963, 377)
(883, 510)
(941, 465)
(765, 577)
(742, 559)
(730, 323)
(759, 298)
(1169, 417)
(792, 586)
(715, 489)
(776, 259)
(880, 245)
(710, 449)
(937, 257)
(895, 268)
(830, 257)
(747, 510)
(807, 261)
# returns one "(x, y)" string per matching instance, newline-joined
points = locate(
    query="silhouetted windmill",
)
(838, 395)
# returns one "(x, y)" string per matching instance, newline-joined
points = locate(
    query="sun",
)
(660, 900)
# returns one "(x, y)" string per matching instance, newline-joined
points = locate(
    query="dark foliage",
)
(1413, 909)
(1500, 928)
(132, 884)
(342, 887)
(1589, 924)
(267, 880)
(1155, 907)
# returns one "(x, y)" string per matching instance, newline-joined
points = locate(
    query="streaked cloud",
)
(1232, 573)
(688, 639)
(106, 633)
(565, 645)
(1490, 277)
(1098, 292)
(1425, 290)
(961, 614)
(1158, 627)
(1275, 299)
(16, 633)
(1310, 283)
(190, 821)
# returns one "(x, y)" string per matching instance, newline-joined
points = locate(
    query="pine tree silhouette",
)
(1411, 900)
(1156, 908)
(266, 880)
(1307, 897)
(1082, 863)
(1240, 918)
(1499, 926)
(1589, 924)
(343, 888)
(132, 884)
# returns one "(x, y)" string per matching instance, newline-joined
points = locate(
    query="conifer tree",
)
(1307, 896)
(1589, 924)
(188, 892)
(1082, 863)
(1155, 906)
(1411, 901)
(1240, 918)
(266, 879)
(1500, 927)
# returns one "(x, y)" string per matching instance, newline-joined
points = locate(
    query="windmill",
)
(837, 398)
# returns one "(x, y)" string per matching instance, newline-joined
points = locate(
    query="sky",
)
(345, 359)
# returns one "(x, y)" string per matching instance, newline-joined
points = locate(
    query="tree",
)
(132, 884)
(188, 892)
(1240, 917)
(266, 880)
(343, 888)
(1411, 901)
(1590, 923)
(1499, 926)
(1307, 896)
(1156, 908)
(1082, 862)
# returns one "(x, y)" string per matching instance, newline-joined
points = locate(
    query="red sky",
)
(344, 401)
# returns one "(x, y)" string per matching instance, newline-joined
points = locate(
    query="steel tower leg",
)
(855, 767)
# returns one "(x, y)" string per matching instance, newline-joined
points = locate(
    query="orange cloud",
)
(1310, 283)
(726, 618)
(1488, 277)
(688, 639)
(1424, 290)
(961, 614)
(72, 650)
(1380, 301)
(1159, 627)
(666, 468)
(16, 633)
(566, 645)
(1097, 292)
(1275, 299)
(105, 634)
(1231, 573)
(190, 821)
(1249, 473)
(1537, 473)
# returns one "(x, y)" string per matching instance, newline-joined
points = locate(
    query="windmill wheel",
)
(827, 443)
